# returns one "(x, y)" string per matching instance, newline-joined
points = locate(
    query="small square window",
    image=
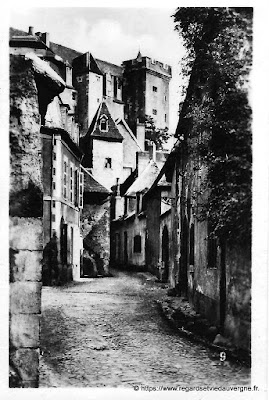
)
(54, 185)
(54, 171)
(53, 203)
(108, 163)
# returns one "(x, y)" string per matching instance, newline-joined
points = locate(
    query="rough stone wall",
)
(237, 324)
(26, 227)
(95, 228)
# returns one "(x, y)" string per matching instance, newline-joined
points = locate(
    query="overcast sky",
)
(112, 34)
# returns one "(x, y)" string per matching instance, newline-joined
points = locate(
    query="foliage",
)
(158, 136)
(217, 111)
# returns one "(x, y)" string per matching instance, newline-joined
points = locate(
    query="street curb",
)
(232, 354)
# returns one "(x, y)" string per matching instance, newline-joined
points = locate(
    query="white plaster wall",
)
(95, 94)
(101, 151)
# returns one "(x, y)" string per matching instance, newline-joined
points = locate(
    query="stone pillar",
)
(26, 225)
(31, 81)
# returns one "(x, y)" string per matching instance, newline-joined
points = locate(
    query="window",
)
(103, 124)
(154, 111)
(76, 189)
(153, 61)
(54, 156)
(137, 244)
(53, 171)
(165, 97)
(98, 100)
(65, 180)
(53, 185)
(74, 95)
(165, 117)
(53, 203)
(98, 78)
(154, 88)
(108, 162)
(79, 78)
(81, 182)
(71, 184)
(115, 86)
(53, 217)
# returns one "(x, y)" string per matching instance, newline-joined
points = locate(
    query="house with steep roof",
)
(130, 230)
(110, 148)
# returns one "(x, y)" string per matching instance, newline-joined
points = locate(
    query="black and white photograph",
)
(136, 202)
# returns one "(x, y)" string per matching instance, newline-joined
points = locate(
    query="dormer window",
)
(104, 123)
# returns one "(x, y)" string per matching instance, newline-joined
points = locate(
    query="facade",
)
(210, 271)
(131, 227)
(146, 91)
(62, 178)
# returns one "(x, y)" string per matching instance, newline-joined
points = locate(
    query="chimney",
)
(45, 38)
(152, 151)
(119, 202)
(140, 135)
(31, 31)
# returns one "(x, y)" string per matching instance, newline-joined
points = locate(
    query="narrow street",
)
(108, 332)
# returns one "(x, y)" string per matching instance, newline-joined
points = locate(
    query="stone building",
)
(130, 225)
(62, 178)
(213, 273)
(146, 91)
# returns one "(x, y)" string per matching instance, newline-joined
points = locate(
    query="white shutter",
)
(81, 184)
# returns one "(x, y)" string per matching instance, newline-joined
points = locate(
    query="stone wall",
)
(26, 226)
(95, 228)
(32, 86)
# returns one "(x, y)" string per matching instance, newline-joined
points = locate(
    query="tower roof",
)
(112, 132)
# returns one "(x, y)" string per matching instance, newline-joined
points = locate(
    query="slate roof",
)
(145, 180)
(94, 131)
(107, 67)
(66, 53)
(91, 185)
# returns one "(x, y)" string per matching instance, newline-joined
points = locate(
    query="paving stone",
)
(120, 315)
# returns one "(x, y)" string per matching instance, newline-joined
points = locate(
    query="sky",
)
(112, 34)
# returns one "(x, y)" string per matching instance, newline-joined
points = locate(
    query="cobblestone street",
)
(108, 332)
